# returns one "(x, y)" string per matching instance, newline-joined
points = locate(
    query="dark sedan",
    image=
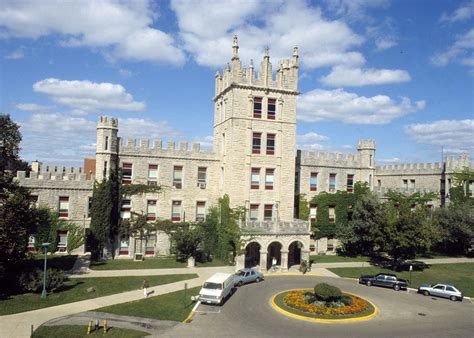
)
(386, 280)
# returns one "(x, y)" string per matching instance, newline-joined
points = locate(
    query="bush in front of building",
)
(32, 281)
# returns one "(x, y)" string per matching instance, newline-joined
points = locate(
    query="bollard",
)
(96, 326)
(32, 330)
(89, 328)
(105, 326)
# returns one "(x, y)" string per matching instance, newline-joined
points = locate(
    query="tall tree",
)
(101, 218)
(10, 139)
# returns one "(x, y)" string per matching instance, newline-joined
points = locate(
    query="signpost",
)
(411, 268)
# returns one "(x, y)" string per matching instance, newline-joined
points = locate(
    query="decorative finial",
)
(266, 52)
(235, 48)
(251, 63)
(228, 66)
(295, 51)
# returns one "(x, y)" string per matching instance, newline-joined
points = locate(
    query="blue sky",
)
(399, 72)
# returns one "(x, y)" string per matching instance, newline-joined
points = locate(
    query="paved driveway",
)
(401, 314)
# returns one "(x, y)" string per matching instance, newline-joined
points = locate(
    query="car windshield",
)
(240, 273)
(212, 286)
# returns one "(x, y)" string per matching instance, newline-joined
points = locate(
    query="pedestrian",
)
(303, 266)
(145, 287)
(274, 263)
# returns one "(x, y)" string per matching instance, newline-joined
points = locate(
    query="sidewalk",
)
(19, 325)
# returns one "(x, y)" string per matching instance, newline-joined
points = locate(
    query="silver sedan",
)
(441, 290)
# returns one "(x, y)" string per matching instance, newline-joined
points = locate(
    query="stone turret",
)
(366, 150)
(106, 146)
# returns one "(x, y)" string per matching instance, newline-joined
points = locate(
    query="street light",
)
(45, 246)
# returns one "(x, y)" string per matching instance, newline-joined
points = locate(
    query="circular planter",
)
(361, 309)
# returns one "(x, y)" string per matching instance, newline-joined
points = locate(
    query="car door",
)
(438, 290)
(247, 277)
(450, 291)
(252, 276)
(379, 280)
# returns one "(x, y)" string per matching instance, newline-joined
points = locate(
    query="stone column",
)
(239, 262)
(263, 261)
(305, 255)
(284, 260)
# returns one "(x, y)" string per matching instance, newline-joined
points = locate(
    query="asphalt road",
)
(248, 313)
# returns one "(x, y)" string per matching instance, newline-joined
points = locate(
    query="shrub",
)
(326, 292)
(33, 281)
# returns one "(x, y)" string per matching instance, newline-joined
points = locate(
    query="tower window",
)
(255, 178)
(270, 144)
(269, 178)
(256, 143)
(257, 107)
(106, 143)
(271, 112)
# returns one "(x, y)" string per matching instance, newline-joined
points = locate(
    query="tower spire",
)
(235, 48)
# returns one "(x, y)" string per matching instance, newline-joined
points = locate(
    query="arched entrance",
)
(294, 253)
(252, 255)
(274, 250)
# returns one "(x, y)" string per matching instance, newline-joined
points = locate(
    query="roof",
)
(218, 277)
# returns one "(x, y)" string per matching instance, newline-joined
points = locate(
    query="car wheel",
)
(240, 283)
(453, 298)
(396, 287)
(426, 293)
(369, 283)
(257, 280)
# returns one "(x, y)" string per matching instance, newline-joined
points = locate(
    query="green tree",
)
(303, 207)
(10, 139)
(186, 240)
(456, 225)
(464, 179)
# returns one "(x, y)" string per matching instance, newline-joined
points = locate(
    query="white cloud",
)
(32, 107)
(147, 129)
(460, 51)
(206, 142)
(86, 96)
(342, 106)
(344, 76)
(385, 42)
(453, 134)
(389, 160)
(311, 137)
(206, 28)
(15, 55)
(353, 10)
(464, 12)
(119, 29)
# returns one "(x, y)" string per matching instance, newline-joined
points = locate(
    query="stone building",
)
(254, 161)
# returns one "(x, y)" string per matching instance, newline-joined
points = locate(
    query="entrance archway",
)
(294, 253)
(252, 255)
(274, 250)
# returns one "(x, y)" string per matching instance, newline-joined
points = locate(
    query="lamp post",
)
(45, 246)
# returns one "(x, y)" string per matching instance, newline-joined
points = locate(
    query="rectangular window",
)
(106, 143)
(313, 209)
(89, 206)
(150, 245)
(271, 112)
(200, 211)
(202, 177)
(62, 244)
(152, 174)
(257, 107)
(412, 184)
(125, 209)
(127, 171)
(253, 212)
(269, 178)
(104, 173)
(268, 212)
(332, 215)
(255, 179)
(313, 182)
(405, 184)
(350, 183)
(63, 206)
(176, 211)
(379, 183)
(178, 176)
(332, 182)
(270, 144)
(256, 143)
(123, 246)
(151, 210)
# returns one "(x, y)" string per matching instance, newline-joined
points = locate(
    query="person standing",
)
(145, 287)
(274, 263)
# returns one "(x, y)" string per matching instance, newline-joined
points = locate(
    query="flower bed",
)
(295, 303)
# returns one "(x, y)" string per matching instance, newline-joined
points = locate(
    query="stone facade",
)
(253, 160)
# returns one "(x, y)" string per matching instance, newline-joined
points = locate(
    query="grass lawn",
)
(75, 290)
(460, 275)
(337, 259)
(148, 263)
(73, 331)
(171, 306)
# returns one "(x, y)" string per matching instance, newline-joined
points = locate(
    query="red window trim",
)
(127, 165)
(257, 114)
(254, 171)
(256, 136)
(273, 115)
(267, 172)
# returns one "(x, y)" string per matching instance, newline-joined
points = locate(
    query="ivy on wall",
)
(342, 201)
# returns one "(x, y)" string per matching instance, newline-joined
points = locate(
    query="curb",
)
(189, 318)
(320, 320)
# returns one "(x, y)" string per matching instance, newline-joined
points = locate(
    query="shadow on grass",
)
(68, 285)
(398, 266)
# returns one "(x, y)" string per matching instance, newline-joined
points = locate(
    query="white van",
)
(217, 288)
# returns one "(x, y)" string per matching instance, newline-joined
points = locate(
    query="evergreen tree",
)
(101, 218)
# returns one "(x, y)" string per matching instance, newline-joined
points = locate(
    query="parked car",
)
(217, 288)
(245, 276)
(384, 279)
(441, 290)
